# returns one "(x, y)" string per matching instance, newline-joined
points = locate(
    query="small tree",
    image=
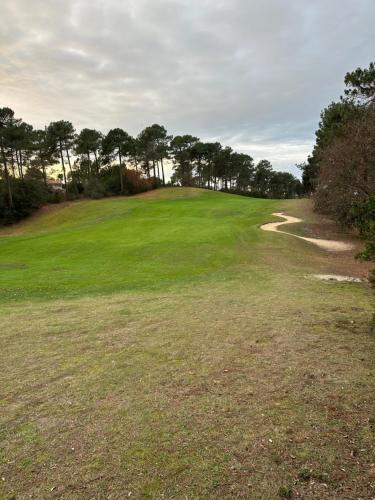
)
(44, 155)
(347, 171)
(89, 141)
(182, 148)
(7, 123)
(262, 177)
(117, 144)
(61, 137)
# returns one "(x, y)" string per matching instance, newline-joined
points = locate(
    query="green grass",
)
(204, 363)
(173, 236)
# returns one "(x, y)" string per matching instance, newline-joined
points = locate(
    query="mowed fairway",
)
(146, 242)
(163, 346)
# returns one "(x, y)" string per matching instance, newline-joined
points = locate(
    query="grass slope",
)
(214, 369)
(167, 237)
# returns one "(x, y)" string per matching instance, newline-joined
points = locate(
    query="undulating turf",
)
(167, 237)
(177, 351)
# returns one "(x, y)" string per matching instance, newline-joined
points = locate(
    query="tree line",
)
(340, 172)
(212, 166)
(95, 164)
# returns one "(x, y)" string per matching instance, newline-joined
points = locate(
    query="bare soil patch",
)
(337, 278)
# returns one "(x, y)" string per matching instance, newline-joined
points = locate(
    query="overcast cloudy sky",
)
(253, 74)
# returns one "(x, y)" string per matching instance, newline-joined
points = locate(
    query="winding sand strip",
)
(331, 245)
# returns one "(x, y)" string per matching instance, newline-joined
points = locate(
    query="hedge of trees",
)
(341, 169)
(95, 165)
(210, 165)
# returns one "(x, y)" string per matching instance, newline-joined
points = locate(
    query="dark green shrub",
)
(94, 188)
(55, 197)
(364, 220)
(28, 195)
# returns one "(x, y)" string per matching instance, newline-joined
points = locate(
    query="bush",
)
(363, 215)
(108, 183)
(94, 189)
(134, 182)
(364, 220)
(56, 197)
(28, 195)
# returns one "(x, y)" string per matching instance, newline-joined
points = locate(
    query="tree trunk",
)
(21, 167)
(153, 166)
(96, 163)
(157, 166)
(162, 171)
(18, 164)
(199, 172)
(74, 181)
(70, 165)
(7, 179)
(63, 167)
(43, 168)
(89, 163)
(44, 175)
(12, 165)
(120, 169)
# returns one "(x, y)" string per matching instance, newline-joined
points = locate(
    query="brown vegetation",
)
(347, 170)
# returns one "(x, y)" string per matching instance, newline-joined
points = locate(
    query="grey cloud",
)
(252, 74)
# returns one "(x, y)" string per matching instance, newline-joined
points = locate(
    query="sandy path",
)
(331, 245)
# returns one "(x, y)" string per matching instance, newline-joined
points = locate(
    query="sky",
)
(252, 74)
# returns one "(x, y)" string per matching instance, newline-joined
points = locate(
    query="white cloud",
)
(253, 74)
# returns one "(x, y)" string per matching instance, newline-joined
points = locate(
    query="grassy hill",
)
(164, 347)
(167, 237)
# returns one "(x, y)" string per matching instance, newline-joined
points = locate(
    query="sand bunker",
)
(331, 245)
(337, 278)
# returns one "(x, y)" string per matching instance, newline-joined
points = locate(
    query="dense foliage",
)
(364, 218)
(347, 170)
(27, 196)
(341, 169)
(212, 166)
(96, 165)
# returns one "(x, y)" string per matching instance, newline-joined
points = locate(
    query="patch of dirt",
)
(330, 245)
(338, 278)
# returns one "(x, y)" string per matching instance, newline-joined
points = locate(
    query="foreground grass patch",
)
(222, 393)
